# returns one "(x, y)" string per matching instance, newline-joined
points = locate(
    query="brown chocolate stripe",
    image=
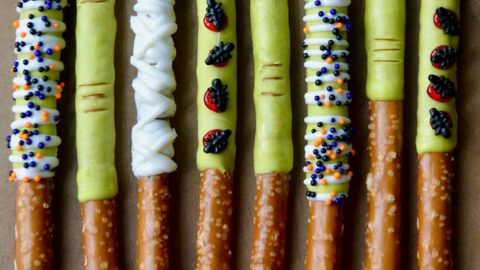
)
(215, 221)
(269, 221)
(434, 188)
(34, 227)
(153, 228)
(99, 235)
(324, 236)
(384, 186)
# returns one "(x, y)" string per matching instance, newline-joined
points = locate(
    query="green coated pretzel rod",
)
(273, 150)
(34, 141)
(436, 130)
(217, 109)
(96, 176)
(385, 45)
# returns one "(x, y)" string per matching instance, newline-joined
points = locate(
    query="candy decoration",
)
(216, 96)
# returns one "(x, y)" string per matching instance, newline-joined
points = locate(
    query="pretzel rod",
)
(328, 126)
(325, 236)
(153, 229)
(95, 137)
(215, 220)
(33, 227)
(273, 150)
(34, 140)
(436, 130)
(385, 45)
(383, 185)
(269, 221)
(152, 136)
(99, 234)
(216, 104)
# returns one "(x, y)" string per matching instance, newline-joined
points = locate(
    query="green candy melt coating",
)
(207, 119)
(385, 44)
(430, 38)
(273, 151)
(96, 29)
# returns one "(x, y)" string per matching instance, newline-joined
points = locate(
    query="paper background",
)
(184, 187)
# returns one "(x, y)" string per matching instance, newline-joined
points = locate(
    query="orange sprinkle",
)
(324, 131)
(37, 178)
(323, 182)
(333, 194)
(328, 202)
(59, 87)
(322, 96)
(51, 67)
(337, 175)
(14, 86)
(310, 167)
(339, 90)
(26, 87)
(342, 147)
(31, 56)
(328, 171)
(36, 47)
(310, 156)
(57, 48)
(329, 152)
(333, 156)
(25, 136)
(341, 122)
(38, 155)
(55, 25)
(306, 30)
(329, 60)
(339, 25)
(11, 179)
(16, 24)
(44, 113)
(45, 118)
(19, 148)
(350, 173)
(26, 180)
(316, 143)
(28, 125)
(328, 104)
(14, 174)
(58, 96)
(340, 81)
(23, 34)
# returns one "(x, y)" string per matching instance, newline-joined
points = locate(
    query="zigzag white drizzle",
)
(153, 54)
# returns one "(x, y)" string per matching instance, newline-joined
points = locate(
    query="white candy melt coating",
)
(49, 42)
(40, 25)
(315, 62)
(328, 3)
(153, 54)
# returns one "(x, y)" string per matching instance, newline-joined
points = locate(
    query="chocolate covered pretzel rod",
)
(328, 127)
(152, 136)
(96, 175)
(385, 43)
(436, 130)
(273, 151)
(216, 103)
(34, 139)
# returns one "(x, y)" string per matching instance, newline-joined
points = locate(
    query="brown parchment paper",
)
(184, 185)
